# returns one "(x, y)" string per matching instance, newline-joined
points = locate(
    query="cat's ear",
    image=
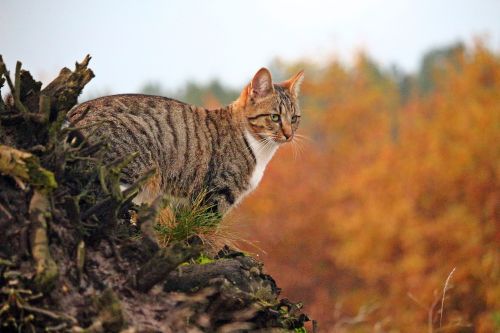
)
(262, 83)
(293, 84)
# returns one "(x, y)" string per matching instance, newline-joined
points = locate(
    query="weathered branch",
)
(17, 89)
(51, 314)
(24, 166)
(192, 277)
(241, 271)
(6, 74)
(165, 261)
(67, 86)
(111, 201)
(23, 85)
(2, 81)
(110, 174)
(44, 107)
(80, 258)
(46, 268)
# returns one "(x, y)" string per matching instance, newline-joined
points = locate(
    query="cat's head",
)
(272, 109)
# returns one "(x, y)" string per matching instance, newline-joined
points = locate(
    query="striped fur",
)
(194, 149)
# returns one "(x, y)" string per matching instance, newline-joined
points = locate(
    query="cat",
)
(223, 152)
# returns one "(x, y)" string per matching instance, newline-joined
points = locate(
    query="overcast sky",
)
(133, 42)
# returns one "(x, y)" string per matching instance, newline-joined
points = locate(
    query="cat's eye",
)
(275, 117)
(294, 119)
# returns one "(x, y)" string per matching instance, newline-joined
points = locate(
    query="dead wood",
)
(71, 260)
(162, 263)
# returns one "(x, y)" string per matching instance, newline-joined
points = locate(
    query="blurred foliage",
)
(396, 185)
(435, 61)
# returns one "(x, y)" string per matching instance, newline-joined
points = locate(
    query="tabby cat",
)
(223, 152)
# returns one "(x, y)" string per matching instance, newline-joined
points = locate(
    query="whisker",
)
(294, 150)
(303, 140)
(265, 145)
(303, 137)
(298, 144)
(300, 147)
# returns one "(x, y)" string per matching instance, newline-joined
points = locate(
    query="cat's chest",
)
(263, 152)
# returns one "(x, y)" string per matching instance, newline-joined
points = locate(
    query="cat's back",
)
(138, 105)
(136, 121)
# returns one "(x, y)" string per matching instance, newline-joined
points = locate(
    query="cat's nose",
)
(287, 133)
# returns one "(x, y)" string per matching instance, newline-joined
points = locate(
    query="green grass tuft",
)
(197, 218)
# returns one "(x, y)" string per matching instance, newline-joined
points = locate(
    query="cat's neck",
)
(230, 111)
(263, 150)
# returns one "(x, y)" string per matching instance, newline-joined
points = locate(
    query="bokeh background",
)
(392, 197)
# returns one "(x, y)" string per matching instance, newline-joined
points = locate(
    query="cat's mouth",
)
(283, 139)
(275, 138)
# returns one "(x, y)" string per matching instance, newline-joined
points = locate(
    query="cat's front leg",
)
(221, 200)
